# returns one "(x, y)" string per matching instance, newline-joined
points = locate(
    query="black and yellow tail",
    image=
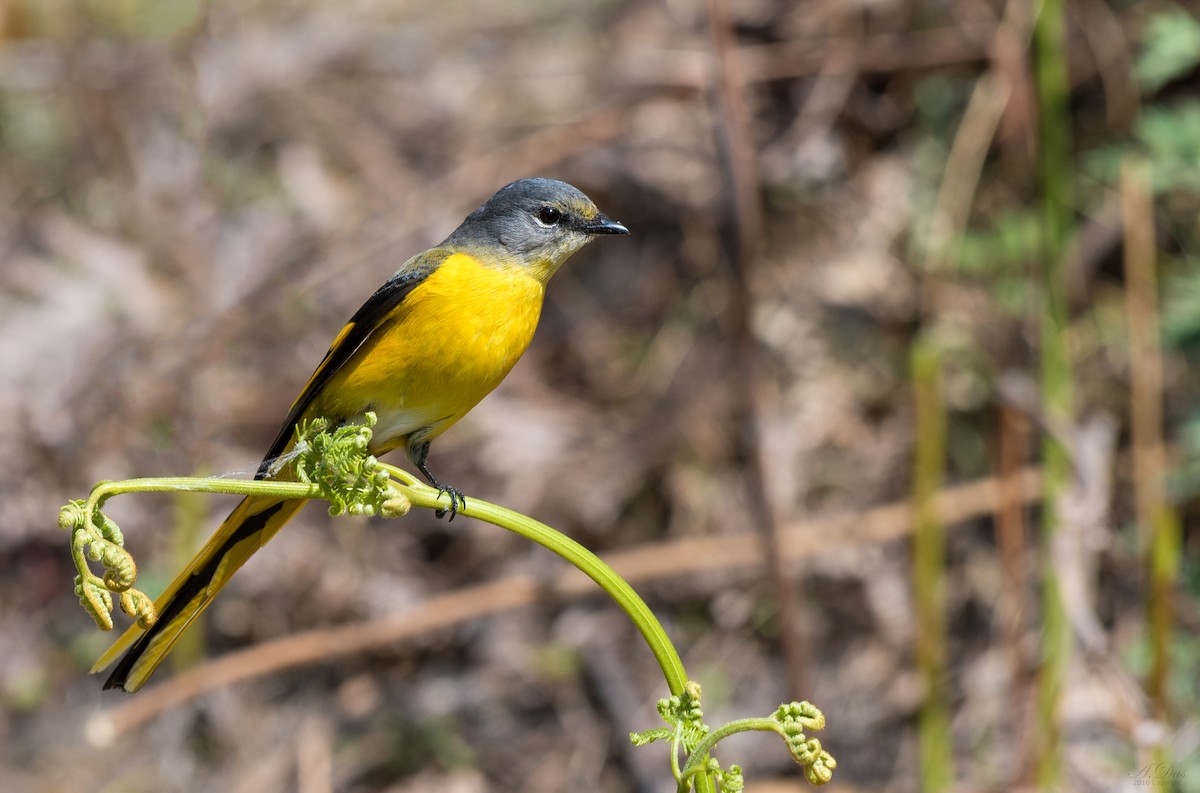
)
(248, 528)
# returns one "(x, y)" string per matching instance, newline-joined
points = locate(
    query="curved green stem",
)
(102, 491)
(676, 741)
(422, 495)
(699, 756)
(193, 484)
(589, 564)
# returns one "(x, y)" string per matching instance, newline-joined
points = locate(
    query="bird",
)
(421, 352)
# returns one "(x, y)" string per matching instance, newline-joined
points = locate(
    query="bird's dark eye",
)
(549, 216)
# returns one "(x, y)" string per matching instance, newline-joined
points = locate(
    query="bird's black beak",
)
(602, 225)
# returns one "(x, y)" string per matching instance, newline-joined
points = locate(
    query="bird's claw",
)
(457, 501)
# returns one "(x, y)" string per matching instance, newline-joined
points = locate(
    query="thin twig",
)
(1158, 527)
(1013, 606)
(748, 216)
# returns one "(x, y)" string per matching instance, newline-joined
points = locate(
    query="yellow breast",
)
(451, 341)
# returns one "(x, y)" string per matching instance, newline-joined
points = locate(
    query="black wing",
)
(364, 322)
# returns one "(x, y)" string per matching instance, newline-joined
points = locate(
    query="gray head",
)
(538, 222)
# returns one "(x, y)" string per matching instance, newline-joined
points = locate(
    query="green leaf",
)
(1171, 138)
(650, 736)
(1170, 49)
(1181, 312)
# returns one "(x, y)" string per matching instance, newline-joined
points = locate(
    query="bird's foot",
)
(457, 501)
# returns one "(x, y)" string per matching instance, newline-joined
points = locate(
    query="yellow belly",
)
(451, 341)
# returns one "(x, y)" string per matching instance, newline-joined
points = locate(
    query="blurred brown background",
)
(194, 197)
